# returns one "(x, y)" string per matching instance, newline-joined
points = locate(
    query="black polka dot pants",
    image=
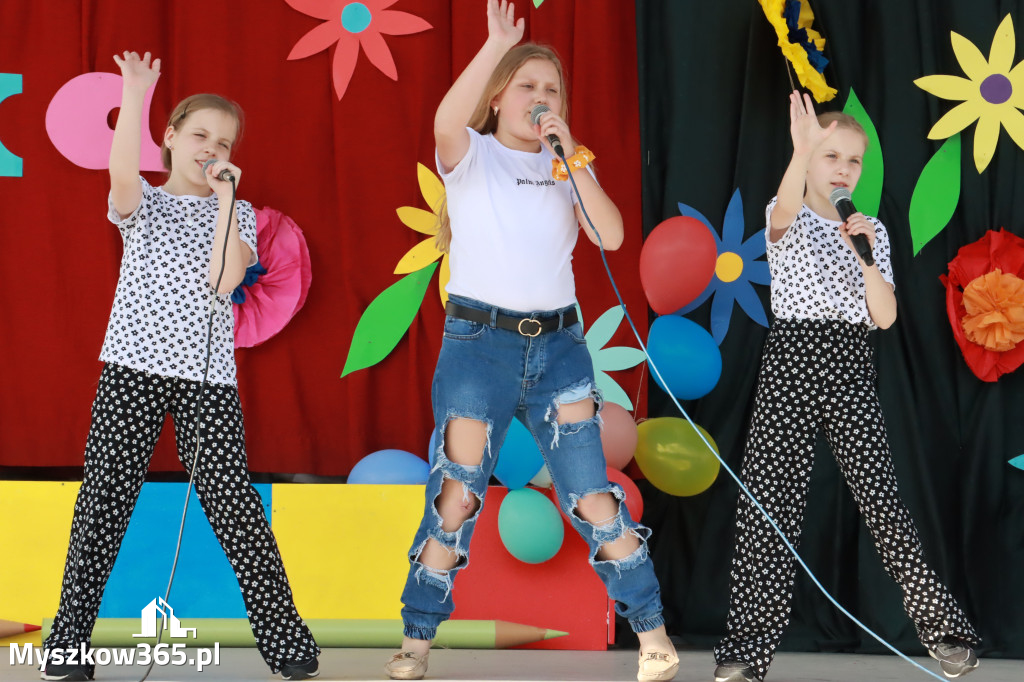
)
(818, 374)
(127, 417)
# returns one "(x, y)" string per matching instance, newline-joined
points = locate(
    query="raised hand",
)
(502, 25)
(803, 124)
(137, 71)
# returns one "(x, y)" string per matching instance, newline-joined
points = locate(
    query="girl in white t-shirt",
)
(818, 373)
(156, 356)
(513, 347)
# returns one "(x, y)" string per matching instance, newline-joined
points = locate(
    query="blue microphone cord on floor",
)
(732, 474)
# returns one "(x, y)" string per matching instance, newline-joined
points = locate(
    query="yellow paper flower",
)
(426, 222)
(991, 94)
(808, 76)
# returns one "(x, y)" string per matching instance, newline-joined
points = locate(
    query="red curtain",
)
(338, 168)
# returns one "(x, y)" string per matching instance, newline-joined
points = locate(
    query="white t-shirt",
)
(815, 275)
(159, 318)
(513, 228)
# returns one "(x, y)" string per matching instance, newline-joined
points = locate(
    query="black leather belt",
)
(527, 326)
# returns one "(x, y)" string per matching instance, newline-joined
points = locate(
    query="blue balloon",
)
(432, 448)
(390, 467)
(686, 355)
(519, 459)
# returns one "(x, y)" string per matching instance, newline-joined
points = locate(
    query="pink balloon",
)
(677, 262)
(76, 122)
(634, 502)
(619, 436)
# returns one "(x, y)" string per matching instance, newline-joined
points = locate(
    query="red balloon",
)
(634, 503)
(677, 262)
(619, 435)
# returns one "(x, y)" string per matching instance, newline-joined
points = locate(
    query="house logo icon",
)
(149, 616)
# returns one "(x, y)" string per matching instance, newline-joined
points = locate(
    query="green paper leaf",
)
(536, 3)
(386, 319)
(618, 357)
(1018, 462)
(936, 194)
(604, 327)
(868, 195)
(611, 390)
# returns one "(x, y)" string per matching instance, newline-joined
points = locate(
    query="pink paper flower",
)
(352, 24)
(275, 288)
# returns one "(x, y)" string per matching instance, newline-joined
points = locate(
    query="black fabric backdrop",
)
(714, 116)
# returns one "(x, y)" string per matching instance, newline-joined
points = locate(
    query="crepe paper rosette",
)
(985, 303)
(354, 25)
(429, 223)
(736, 270)
(801, 44)
(275, 288)
(992, 93)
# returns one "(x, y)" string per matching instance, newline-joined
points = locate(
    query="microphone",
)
(224, 175)
(553, 140)
(841, 199)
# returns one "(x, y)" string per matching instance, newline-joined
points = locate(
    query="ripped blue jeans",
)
(491, 375)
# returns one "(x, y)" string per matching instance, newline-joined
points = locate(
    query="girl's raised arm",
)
(455, 110)
(807, 134)
(138, 75)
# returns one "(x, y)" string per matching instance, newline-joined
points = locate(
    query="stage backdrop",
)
(339, 167)
(714, 119)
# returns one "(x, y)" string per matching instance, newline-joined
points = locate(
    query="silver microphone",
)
(224, 175)
(553, 140)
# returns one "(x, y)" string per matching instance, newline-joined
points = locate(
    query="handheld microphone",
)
(843, 203)
(224, 175)
(553, 140)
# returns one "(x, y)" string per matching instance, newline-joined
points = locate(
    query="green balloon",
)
(530, 526)
(674, 458)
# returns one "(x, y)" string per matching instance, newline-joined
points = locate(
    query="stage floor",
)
(467, 665)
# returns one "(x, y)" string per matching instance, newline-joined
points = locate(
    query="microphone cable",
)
(199, 413)
(743, 488)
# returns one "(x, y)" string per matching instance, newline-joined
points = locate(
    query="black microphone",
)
(553, 140)
(841, 199)
(224, 175)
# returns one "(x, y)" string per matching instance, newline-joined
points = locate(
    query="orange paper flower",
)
(995, 311)
(985, 303)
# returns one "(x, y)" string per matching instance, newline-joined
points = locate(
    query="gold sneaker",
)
(657, 665)
(406, 665)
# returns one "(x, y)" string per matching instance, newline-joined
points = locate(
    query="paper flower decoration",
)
(351, 25)
(610, 359)
(985, 303)
(991, 94)
(736, 270)
(800, 43)
(275, 288)
(426, 222)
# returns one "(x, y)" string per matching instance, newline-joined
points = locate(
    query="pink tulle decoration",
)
(277, 295)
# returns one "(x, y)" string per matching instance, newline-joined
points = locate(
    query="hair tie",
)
(581, 159)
